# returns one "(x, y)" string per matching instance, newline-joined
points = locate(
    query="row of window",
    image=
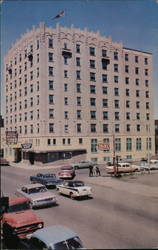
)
(26, 104)
(92, 128)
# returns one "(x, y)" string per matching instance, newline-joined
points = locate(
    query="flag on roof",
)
(61, 14)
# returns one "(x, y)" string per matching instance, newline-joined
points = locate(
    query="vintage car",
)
(74, 189)
(66, 172)
(49, 180)
(123, 167)
(53, 238)
(82, 164)
(38, 195)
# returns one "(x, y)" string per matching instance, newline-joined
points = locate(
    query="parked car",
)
(123, 167)
(48, 180)
(83, 164)
(66, 172)
(74, 189)
(53, 238)
(3, 162)
(18, 220)
(38, 195)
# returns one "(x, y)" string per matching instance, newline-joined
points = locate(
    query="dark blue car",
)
(49, 180)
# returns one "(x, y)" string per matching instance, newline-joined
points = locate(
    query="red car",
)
(66, 172)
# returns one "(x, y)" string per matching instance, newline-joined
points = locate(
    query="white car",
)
(74, 189)
(82, 164)
(38, 195)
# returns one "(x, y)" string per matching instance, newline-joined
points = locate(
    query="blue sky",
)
(132, 22)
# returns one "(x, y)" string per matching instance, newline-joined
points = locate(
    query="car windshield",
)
(72, 243)
(18, 207)
(37, 190)
(78, 184)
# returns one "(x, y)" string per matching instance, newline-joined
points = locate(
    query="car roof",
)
(51, 235)
(33, 185)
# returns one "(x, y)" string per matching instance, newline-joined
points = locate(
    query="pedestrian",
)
(94, 170)
(90, 171)
(98, 171)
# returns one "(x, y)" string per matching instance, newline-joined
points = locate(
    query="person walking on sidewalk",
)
(90, 171)
(98, 171)
(94, 170)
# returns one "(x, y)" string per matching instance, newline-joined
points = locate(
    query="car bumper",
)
(44, 203)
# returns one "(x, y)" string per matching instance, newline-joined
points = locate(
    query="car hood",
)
(41, 196)
(22, 218)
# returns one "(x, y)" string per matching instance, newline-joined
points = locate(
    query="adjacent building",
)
(75, 94)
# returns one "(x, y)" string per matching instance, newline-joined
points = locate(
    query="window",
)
(93, 128)
(80, 141)
(116, 79)
(92, 51)
(137, 81)
(37, 99)
(126, 68)
(50, 71)
(65, 87)
(115, 67)
(25, 116)
(116, 91)
(92, 64)
(78, 88)
(65, 73)
(51, 85)
(117, 144)
(126, 57)
(66, 100)
(78, 114)
(77, 48)
(117, 128)
(94, 144)
(31, 128)
(65, 45)
(25, 91)
(78, 74)
(51, 113)
(128, 144)
(115, 55)
(147, 94)
(51, 99)
(25, 104)
(138, 127)
(38, 114)
(66, 127)
(137, 93)
(128, 116)
(50, 57)
(146, 83)
(138, 144)
(128, 127)
(104, 78)
(51, 127)
(25, 129)
(104, 53)
(66, 115)
(50, 43)
(117, 115)
(78, 61)
(127, 80)
(31, 102)
(136, 59)
(31, 115)
(147, 116)
(145, 60)
(37, 44)
(105, 90)
(65, 60)
(149, 143)
(31, 88)
(92, 76)
(146, 72)
(105, 103)
(137, 70)
(93, 114)
(38, 71)
(116, 103)
(78, 101)
(147, 105)
(92, 89)
(127, 92)
(138, 116)
(105, 115)
(92, 101)
(105, 128)
(137, 104)
(78, 127)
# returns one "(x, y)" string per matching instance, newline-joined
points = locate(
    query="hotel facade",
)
(74, 94)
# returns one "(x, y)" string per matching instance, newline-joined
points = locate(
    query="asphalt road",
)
(118, 216)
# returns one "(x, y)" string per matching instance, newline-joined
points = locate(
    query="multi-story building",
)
(156, 137)
(72, 93)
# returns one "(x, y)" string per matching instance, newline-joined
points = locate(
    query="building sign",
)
(11, 137)
(26, 145)
(103, 146)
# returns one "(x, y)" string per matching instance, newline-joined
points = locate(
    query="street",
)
(122, 213)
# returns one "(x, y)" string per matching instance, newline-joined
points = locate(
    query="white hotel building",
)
(69, 90)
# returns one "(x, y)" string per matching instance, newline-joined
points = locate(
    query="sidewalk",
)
(34, 166)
